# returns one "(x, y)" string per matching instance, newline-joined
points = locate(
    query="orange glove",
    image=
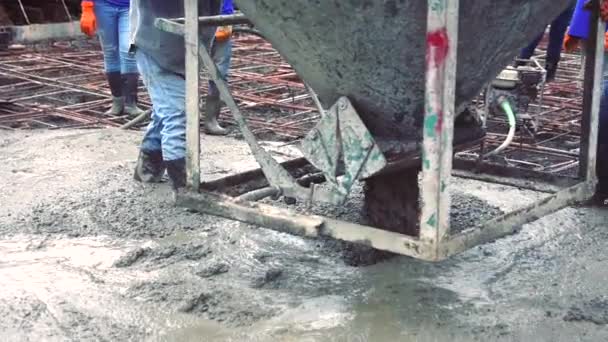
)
(223, 33)
(571, 44)
(88, 22)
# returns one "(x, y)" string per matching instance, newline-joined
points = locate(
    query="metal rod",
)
(219, 20)
(176, 25)
(67, 11)
(512, 222)
(276, 175)
(592, 95)
(287, 221)
(315, 99)
(141, 117)
(191, 39)
(438, 130)
(258, 194)
(27, 19)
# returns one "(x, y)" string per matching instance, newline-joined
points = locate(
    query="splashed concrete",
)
(88, 254)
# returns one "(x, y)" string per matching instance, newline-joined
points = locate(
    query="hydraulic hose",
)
(506, 107)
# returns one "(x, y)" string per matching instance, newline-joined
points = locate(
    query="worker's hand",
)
(88, 22)
(571, 44)
(223, 33)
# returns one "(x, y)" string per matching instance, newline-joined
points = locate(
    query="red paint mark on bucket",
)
(439, 125)
(437, 47)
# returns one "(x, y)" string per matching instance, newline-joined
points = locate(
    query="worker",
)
(161, 60)
(110, 20)
(577, 33)
(221, 51)
(556, 37)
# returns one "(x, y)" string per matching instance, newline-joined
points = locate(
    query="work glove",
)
(571, 44)
(223, 33)
(88, 22)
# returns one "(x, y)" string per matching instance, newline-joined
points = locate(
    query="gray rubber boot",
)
(118, 101)
(150, 167)
(130, 93)
(176, 169)
(213, 105)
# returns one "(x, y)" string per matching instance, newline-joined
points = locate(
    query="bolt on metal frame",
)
(435, 241)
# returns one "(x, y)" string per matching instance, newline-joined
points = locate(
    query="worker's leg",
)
(528, 51)
(128, 65)
(221, 52)
(107, 30)
(559, 26)
(167, 92)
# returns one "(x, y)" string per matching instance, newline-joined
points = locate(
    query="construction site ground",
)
(86, 253)
(89, 254)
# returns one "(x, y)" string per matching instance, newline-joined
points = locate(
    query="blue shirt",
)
(227, 7)
(581, 20)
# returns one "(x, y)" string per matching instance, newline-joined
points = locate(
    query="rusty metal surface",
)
(64, 86)
(374, 51)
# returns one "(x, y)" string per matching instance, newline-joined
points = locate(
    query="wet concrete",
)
(88, 254)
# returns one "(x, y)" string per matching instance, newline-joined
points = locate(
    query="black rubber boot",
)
(150, 167)
(176, 169)
(551, 68)
(601, 191)
(118, 101)
(213, 104)
(130, 83)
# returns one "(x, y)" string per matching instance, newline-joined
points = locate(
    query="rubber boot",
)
(600, 197)
(176, 169)
(130, 83)
(213, 105)
(551, 68)
(118, 101)
(150, 167)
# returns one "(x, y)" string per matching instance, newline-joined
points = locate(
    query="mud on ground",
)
(88, 254)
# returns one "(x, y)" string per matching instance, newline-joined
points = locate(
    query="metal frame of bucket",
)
(435, 241)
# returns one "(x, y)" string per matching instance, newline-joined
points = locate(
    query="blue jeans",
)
(556, 38)
(221, 52)
(167, 130)
(113, 31)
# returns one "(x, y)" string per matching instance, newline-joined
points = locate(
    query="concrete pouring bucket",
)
(373, 52)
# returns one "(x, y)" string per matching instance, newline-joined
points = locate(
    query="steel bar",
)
(193, 149)
(287, 221)
(512, 222)
(219, 20)
(258, 194)
(592, 95)
(442, 42)
(141, 117)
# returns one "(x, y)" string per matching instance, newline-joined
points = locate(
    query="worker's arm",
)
(603, 8)
(224, 33)
(579, 24)
(88, 22)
